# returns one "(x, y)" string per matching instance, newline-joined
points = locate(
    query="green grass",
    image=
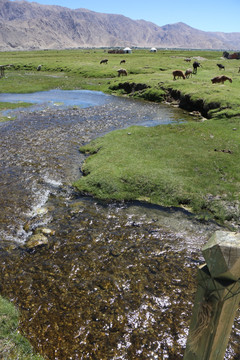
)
(81, 69)
(181, 165)
(12, 344)
(8, 105)
(177, 166)
(193, 165)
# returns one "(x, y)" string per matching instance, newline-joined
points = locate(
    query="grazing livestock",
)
(221, 66)
(187, 60)
(188, 73)
(220, 79)
(122, 62)
(104, 61)
(216, 80)
(116, 51)
(2, 69)
(178, 74)
(196, 64)
(39, 67)
(122, 72)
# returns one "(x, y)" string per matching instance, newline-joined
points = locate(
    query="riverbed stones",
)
(44, 231)
(36, 240)
(77, 206)
(42, 211)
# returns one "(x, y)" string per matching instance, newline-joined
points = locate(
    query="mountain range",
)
(31, 26)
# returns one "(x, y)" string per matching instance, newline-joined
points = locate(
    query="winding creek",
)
(113, 281)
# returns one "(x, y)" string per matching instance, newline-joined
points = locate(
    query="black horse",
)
(195, 66)
(221, 66)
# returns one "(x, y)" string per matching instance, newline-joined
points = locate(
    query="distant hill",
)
(28, 26)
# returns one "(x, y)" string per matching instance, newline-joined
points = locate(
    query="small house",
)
(127, 50)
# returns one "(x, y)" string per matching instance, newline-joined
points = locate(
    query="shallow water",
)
(59, 98)
(151, 115)
(115, 281)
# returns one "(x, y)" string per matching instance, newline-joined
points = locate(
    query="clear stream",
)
(114, 281)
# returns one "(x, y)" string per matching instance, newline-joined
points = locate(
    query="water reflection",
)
(57, 98)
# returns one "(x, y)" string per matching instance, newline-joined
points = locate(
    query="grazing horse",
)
(178, 74)
(104, 61)
(122, 72)
(195, 66)
(188, 73)
(122, 62)
(221, 66)
(221, 79)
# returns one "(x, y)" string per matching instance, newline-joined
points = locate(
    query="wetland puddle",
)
(114, 281)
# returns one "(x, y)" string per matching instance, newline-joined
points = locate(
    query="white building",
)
(127, 50)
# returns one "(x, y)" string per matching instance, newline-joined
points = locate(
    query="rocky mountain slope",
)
(27, 26)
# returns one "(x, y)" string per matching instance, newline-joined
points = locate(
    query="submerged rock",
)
(42, 211)
(44, 231)
(36, 240)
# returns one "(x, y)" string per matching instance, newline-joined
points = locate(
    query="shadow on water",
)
(110, 280)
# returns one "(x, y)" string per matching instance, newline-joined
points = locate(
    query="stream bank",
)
(185, 102)
(168, 95)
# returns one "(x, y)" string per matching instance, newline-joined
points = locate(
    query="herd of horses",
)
(121, 72)
(177, 74)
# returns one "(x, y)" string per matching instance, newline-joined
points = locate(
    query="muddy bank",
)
(185, 102)
(130, 87)
(170, 96)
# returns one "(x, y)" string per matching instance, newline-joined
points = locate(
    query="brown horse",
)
(178, 74)
(220, 79)
(122, 72)
(188, 73)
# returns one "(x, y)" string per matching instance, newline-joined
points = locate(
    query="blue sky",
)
(206, 15)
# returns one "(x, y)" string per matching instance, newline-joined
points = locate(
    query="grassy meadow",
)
(81, 69)
(12, 344)
(193, 165)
